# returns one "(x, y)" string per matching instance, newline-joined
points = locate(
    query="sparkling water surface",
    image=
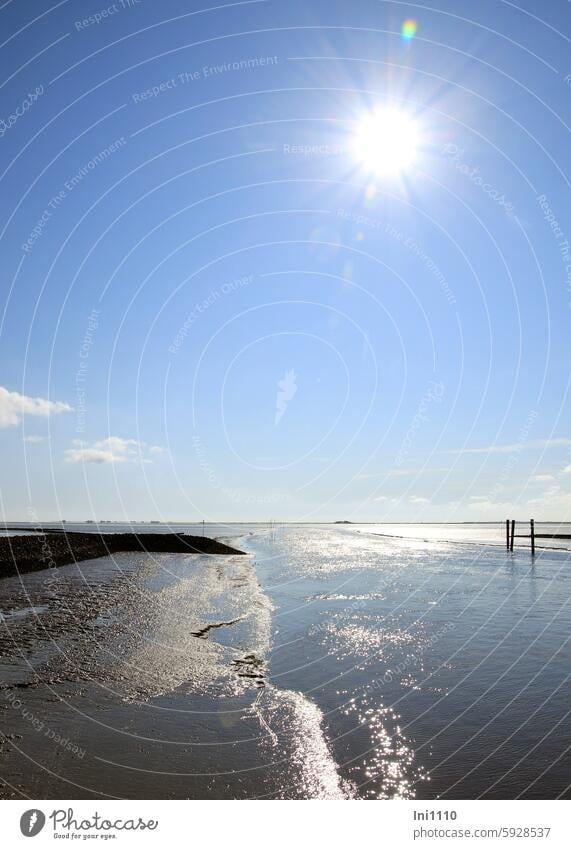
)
(332, 662)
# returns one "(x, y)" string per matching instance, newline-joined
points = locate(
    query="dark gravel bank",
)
(28, 554)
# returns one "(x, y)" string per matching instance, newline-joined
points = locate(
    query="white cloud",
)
(553, 504)
(119, 446)
(567, 470)
(512, 447)
(402, 472)
(112, 449)
(492, 509)
(418, 499)
(13, 406)
(542, 477)
(90, 455)
(32, 439)
(422, 470)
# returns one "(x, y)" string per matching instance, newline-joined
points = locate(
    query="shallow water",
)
(482, 533)
(437, 666)
(331, 663)
(23, 532)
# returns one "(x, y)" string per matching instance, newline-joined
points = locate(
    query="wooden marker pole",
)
(512, 536)
(508, 534)
(532, 534)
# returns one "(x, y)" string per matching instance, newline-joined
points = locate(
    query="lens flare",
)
(409, 29)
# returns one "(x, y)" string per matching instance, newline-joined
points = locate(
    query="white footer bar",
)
(330, 824)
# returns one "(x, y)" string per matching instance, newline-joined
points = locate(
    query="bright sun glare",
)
(386, 141)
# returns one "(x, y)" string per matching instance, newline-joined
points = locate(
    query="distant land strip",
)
(48, 549)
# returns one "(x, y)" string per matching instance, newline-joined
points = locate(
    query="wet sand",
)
(145, 676)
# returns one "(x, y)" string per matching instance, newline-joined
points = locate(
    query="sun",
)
(386, 141)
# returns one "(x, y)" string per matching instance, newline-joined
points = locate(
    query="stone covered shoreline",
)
(59, 548)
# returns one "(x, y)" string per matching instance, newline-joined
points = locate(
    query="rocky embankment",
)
(56, 548)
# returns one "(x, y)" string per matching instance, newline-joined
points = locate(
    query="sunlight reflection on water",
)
(387, 770)
(410, 647)
(333, 663)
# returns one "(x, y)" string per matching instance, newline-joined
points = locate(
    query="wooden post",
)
(532, 533)
(512, 535)
(508, 534)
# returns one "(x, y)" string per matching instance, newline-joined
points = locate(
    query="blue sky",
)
(214, 307)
